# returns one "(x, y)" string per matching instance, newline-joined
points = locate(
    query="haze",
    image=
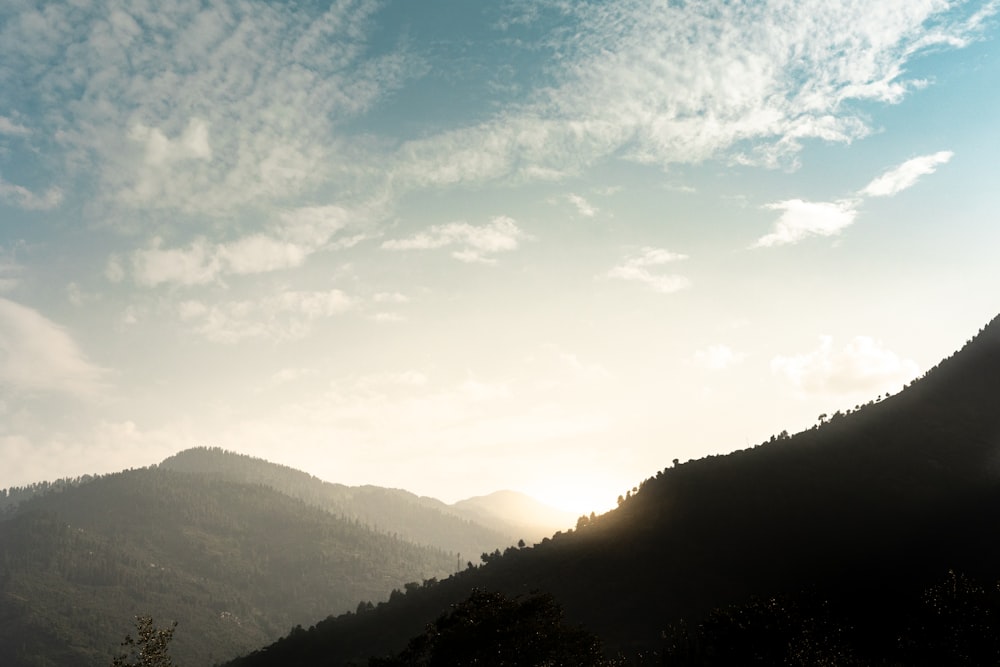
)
(456, 247)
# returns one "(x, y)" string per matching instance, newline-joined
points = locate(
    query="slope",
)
(418, 519)
(236, 564)
(874, 502)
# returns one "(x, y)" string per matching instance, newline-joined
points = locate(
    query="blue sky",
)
(454, 247)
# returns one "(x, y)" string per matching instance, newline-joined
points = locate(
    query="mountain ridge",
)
(870, 503)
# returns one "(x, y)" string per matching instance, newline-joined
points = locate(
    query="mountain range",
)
(867, 539)
(239, 548)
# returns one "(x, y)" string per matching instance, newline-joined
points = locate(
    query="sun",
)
(579, 496)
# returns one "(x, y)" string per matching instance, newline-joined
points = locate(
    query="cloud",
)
(37, 355)
(300, 233)
(12, 128)
(287, 315)
(718, 357)
(582, 205)
(476, 242)
(905, 175)
(669, 83)
(201, 108)
(801, 219)
(10, 270)
(390, 297)
(197, 264)
(22, 197)
(863, 365)
(636, 268)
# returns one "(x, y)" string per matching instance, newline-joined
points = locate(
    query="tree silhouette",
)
(148, 648)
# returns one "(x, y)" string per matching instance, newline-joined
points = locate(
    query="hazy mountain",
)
(858, 520)
(467, 528)
(236, 564)
(511, 511)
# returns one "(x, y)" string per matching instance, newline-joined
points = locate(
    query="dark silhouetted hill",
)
(858, 519)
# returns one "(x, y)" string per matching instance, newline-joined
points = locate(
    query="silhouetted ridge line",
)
(861, 511)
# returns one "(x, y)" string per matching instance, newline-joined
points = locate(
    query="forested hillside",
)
(419, 519)
(237, 565)
(867, 539)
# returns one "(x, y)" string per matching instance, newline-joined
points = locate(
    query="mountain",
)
(512, 511)
(417, 519)
(237, 564)
(858, 537)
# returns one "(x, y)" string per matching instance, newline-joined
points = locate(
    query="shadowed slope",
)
(877, 500)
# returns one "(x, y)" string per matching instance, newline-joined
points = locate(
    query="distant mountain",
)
(832, 546)
(501, 509)
(467, 528)
(237, 564)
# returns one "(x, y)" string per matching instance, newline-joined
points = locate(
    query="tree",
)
(148, 648)
(492, 630)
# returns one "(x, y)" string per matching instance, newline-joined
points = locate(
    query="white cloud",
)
(22, 197)
(113, 269)
(477, 242)
(672, 83)
(195, 265)
(801, 219)
(286, 315)
(636, 268)
(258, 253)
(718, 357)
(390, 297)
(582, 205)
(201, 107)
(863, 365)
(905, 175)
(300, 233)
(37, 355)
(12, 128)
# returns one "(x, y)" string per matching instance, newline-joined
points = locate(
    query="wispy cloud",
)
(287, 315)
(10, 270)
(22, 197)
(286, 245)
(905, 175)
(638, 268)
(863, 365)
(801, 219)
(199, 108)
(477, 243)
(13, 128)
(687, 82)
(584, 207)
(37, 355)
(718, 357)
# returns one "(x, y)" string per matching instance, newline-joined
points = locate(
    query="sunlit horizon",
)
(527, 245)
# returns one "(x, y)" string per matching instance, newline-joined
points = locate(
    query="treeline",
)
(879, 502)
(392, 511)
(240, 563)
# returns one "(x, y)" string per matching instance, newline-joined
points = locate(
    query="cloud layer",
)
(863, 365)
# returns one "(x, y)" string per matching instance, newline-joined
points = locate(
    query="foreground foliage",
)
(492, 630)
(149, 646)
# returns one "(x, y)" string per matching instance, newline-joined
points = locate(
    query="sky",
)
(455, 247)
